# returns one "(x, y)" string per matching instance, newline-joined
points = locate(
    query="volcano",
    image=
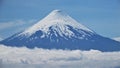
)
(60, 31)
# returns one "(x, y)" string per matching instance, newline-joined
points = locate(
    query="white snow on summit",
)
(58, 20)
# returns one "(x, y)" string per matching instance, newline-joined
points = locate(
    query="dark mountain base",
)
(95, 42)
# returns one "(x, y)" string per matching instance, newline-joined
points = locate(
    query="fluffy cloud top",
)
(12, 57)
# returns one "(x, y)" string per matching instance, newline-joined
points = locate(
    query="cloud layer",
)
(12, 57)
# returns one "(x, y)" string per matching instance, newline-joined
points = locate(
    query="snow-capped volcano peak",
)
(59, 21)
(59, 31)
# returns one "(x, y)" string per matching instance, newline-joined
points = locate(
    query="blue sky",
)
(102, 16)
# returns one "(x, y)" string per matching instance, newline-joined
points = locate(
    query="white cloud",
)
(4, 25)
(11, 27)
(10, 24)
(1, 39)
(117, 39)
(12, 57)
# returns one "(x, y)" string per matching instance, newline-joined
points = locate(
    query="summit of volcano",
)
(60, 31)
